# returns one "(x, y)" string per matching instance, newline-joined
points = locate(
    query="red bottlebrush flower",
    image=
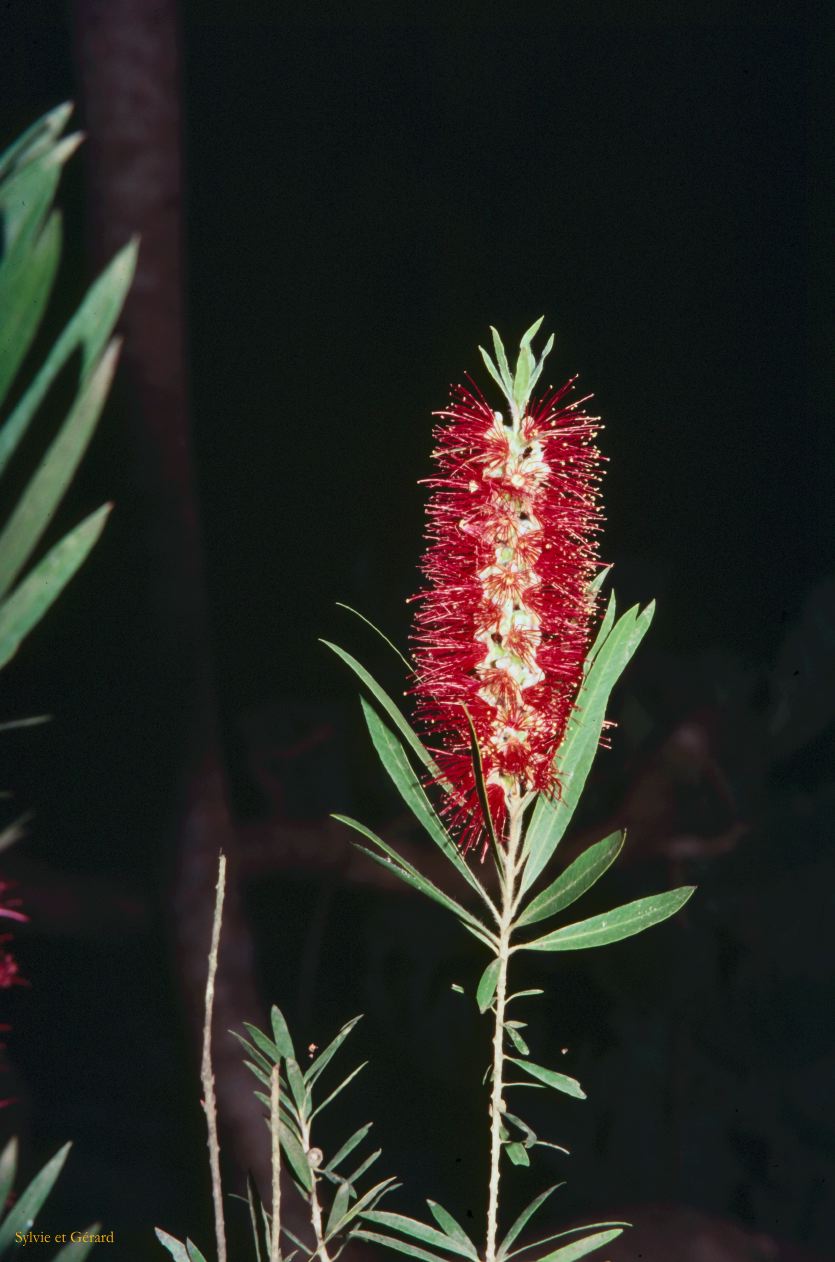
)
(502, 631)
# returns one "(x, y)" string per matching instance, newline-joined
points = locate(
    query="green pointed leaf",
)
(518, 1153)
(501, 360)
(296, 1157)
(528, 337)
(522, 994)
(407, 873)
(524, 1218)
(364, 1205)
(603, 631)
(340, 604)
(281, 1034)
(577, 878)
(487, 985)
(366, 1165)
(393, 711)
(267, 1047)
(492, 369)
(391, 754)
(517, 1040)
(575, 755)
(560, 1082)
(522, 380)
(579, 1248)
(89, 329)
(420, 1231)
(349, 1146)
(41, 136)
(338, 1208)
(298, 1090)
(401, 1246)
(537, 372)
(253, 1216)
(320, 1107)
(452, 1228)
(27, 274)
(28, 603)
(44, 492)
(612, 926)
(29, 1204)
(529, 1135)
(8, 1170)
(480, 782)
(324, 1058)
(76, 1252)
(175, 1247)
(194, 1254)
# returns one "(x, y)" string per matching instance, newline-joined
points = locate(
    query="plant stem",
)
(321, 1250)
(275, 1233)
(510, 860)
(207, 1076)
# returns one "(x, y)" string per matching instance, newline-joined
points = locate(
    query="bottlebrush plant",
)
(512, 670)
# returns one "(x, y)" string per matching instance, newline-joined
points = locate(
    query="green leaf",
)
(36, 139)
(576, 753)
(392, 1242)
(523, 994)
(612, 926)
(577, 878)
(194, 1254)
(529, 1136)
(517, 1153)
(480, 783)
(44, 492)
(522, 380)
(407, 873)
(175, 1247)
(27, 274)
(281, 1034)
(349, 1146)
(393, 711)
(366, 1165)
(487, 985)
(28, 1205)
(452, 1228)
(296, 1157)
(537, 372)
(560, 1082)
(267, 1047)
(516, 1039)
(341, 605)
(524, 1218)
(341, 1087)
(603, 631)
(253, 1216)
(493, 370)
(338, 1208)
(579, 1248)
(528, 337)
(364, 1204)
(298, 1090)
(89, 329)
(28, 603)
(74, 1251)
(391, 754)
(501, 360)
(420, 1231)
(8, 1170)
(324, 1058)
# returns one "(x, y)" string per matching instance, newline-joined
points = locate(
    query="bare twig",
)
(206, 1074)
(275, 1233)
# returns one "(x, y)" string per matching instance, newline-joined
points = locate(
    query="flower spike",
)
(502, 627)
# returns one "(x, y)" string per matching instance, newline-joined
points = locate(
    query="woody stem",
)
(510, 857)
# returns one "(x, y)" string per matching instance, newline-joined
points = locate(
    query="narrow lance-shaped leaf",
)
(324, 1058)
(8, 1170)
(524, 1218)
(451, 1227)
(487, 985)
(612, 926)
(551, 1078)
(577, 878)
(30, 600)
(29, 1204)
(576, 753)
(175, 1247)
(349, 1146)
(397, 765)
(44, 492)
(26, 280)
(400, 1246)
(281, 1034)
(580, 1248)
(76, 1251)
(420, 1231)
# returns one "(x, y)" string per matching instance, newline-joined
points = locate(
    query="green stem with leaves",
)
(509, 860)
(321, 1250)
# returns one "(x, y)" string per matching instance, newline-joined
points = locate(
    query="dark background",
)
(364, 195)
